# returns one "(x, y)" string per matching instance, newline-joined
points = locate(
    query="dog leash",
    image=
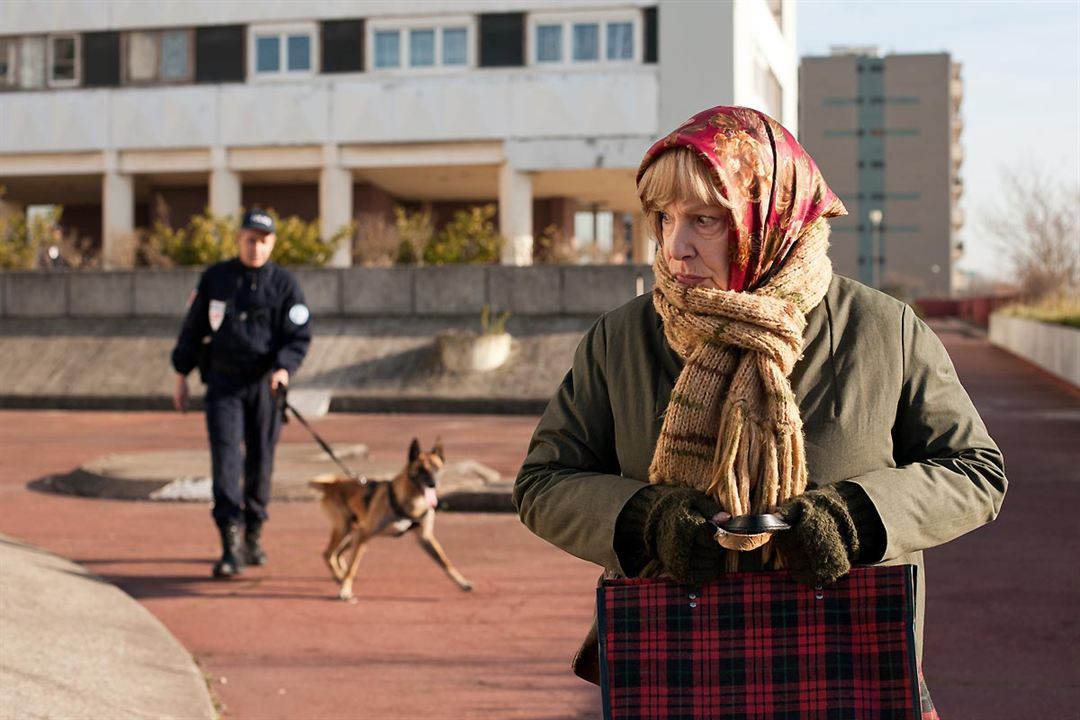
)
(284, 404)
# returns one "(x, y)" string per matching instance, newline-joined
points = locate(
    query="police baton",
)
(281, 397)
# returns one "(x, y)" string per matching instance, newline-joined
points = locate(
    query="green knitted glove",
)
(822, 541)
(670, 525)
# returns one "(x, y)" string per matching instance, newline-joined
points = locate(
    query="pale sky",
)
(1021, 72)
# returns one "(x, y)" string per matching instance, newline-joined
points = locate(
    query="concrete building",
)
(341, 110)
(885, 131)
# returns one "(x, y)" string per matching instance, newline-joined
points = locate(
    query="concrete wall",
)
(618, 102)
(1054, 348)
(359, 292)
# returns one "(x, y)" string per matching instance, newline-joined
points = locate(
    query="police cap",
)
(257, 219)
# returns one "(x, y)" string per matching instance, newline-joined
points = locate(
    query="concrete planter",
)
(1054, 348)
(466, 351)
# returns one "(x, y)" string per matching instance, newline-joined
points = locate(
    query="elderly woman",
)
(754, 379)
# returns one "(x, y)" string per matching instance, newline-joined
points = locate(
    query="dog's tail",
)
(321, 482)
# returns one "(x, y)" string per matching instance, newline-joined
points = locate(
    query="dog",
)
(360, 510)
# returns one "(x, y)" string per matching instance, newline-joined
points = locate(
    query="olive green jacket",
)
(881, 407)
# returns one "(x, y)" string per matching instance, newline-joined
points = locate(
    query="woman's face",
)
(695, 243)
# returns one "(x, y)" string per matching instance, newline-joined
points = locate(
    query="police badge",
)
(217, 314)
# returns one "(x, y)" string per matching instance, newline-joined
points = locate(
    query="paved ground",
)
(104, 655)
(1001, 639)
(389, 363)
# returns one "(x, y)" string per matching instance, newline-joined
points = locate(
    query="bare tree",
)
(1036, 223)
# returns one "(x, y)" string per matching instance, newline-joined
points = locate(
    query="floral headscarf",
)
(773, 184)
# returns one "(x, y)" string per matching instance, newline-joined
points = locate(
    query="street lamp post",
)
(877, 245)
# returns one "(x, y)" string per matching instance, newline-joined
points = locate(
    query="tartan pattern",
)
(759, 646)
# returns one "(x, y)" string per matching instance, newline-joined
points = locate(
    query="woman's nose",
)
(681, 241)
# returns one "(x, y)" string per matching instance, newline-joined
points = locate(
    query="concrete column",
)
(644, 249)
(117, 216)
(515, 216)
(335, 203)
(225, 184)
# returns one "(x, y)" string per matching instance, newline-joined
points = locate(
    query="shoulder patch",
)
(299, 314)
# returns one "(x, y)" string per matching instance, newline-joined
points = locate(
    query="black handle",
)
(753, 524)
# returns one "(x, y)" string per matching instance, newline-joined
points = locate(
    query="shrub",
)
(493, 323)
(469, 238)
(22, 239)
(415, 231)
(1058, 310)
(375, 242)
(552, 248)
(206, 239)
(298, 241)
(209, 238)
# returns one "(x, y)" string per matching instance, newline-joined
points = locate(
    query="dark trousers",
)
(244, 425)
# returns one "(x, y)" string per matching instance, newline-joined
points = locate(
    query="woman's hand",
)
(822, 541)
(679, 535)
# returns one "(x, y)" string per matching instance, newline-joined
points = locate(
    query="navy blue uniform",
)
(243, 323)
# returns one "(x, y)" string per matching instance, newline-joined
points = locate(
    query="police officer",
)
(247, 330)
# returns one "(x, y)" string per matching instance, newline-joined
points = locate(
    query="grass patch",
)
(1062, 310)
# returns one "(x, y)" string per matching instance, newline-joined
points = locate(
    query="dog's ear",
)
(414, 450)
(438, 449)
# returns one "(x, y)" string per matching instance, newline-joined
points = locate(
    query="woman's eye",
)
(707, 220)
(664, 217)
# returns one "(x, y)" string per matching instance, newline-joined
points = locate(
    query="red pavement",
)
(1002, 635)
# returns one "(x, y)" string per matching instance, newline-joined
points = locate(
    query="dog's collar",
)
(395, 506)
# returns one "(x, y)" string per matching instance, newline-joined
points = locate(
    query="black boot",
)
(232, 553)
(255, 555)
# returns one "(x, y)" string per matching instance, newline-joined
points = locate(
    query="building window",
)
(31, 63)
(568, 39)
(620, 41)
(299, 53)
(63, 61)
(267, 55)
(549, 43)
(158, 56)
(9, 50)
(421, 48)
(175, 64)
(282, 51)
(420, 44)
(387, 49)
(586, 42)
(455, 46)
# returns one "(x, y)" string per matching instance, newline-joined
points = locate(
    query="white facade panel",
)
(181, 117)
(711, 53)
(54, 121)
(697, 58)
(584, 104)
(421, 109)
(496, 106)
(278, 114)
(577, 153)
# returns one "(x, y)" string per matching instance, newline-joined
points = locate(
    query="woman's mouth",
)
(686, 279)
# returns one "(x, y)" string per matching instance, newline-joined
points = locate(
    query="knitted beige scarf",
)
(732, 428)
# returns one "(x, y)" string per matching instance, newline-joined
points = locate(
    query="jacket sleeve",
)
(185, 356)
(950, 476)
(294, 330)
(569, 490)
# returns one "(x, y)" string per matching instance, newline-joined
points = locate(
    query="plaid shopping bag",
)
(759, 646)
